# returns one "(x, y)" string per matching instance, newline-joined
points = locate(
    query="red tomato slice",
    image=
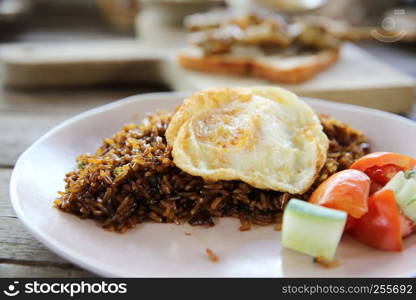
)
(384, 158)
(346, 190)
(407, 226)
(350, 223)
(382, 166)
(375, 187)
(380, 227)
(383, 174)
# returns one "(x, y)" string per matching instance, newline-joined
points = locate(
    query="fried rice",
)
(132, 178)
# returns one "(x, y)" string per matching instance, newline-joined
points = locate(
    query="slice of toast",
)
(276, 68)
(194, 59)
(293, 69)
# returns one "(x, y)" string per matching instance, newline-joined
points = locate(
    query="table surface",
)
(25, 115)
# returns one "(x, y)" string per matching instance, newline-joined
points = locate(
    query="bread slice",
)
(293, 69)
(223, 64)
(276, 68)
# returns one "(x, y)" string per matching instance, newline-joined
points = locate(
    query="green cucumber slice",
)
(404, 188)
(312, 229)
(405, 199)
(407, 192)
(411, 209)
(396, 183)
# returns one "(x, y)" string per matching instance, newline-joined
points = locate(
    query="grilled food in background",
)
(263, 44)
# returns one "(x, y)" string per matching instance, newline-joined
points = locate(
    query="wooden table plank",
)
(20, 253)
(13, 270)
(27, 115)
(6, 209)
(53, 101)
(18, 245)
(68, 101)
(20, 129)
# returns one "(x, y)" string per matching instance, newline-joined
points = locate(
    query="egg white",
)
(264, 136)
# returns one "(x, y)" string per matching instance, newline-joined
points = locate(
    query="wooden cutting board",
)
(358, 78)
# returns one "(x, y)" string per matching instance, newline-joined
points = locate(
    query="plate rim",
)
(66, 253)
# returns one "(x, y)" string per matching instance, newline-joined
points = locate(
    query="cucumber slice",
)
(404, 189)
(396, 183)
(407, 192)
(411, 209)
(312, 229)
(405, 199)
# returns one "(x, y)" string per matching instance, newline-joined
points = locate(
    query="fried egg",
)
(264, 136)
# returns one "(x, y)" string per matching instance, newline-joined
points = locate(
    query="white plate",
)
(163, 249)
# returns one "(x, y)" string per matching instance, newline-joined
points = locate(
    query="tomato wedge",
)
(381, 226)
(382, 166)
(347, 190)
(383, 174)
(407, 226)
(350, 223)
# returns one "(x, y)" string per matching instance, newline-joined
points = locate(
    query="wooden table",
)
(25, 116)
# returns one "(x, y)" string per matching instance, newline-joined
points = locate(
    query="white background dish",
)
(163, 250)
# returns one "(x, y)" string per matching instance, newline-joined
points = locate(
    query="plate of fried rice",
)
(104, 191)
